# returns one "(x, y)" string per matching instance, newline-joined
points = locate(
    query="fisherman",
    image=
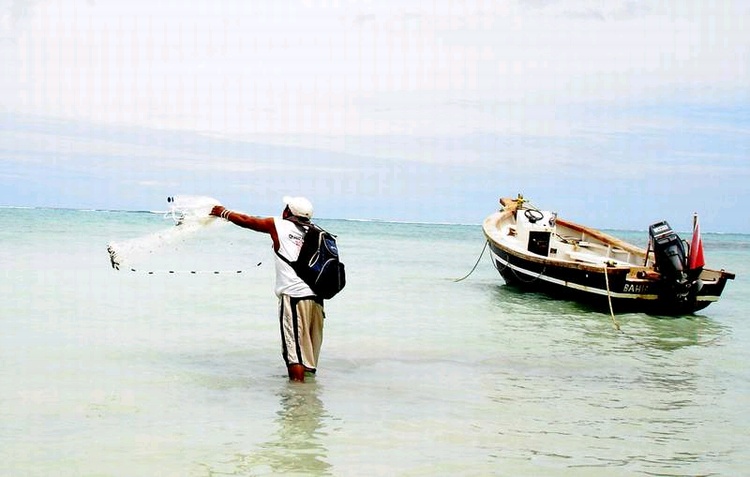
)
(301, 312)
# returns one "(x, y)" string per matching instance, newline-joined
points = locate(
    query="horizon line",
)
(345, 219)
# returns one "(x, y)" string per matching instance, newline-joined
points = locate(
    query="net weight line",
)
(190, 272)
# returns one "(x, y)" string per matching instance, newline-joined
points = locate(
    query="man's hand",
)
(217, 210)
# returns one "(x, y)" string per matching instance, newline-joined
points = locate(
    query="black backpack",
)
(318, 263)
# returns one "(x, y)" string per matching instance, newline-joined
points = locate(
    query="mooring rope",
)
(609, 299)
(606, 281)
(486, 242)
(528, 282)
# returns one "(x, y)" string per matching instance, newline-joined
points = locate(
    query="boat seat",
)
(592, 258)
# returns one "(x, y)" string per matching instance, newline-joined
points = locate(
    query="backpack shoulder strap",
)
(288, 262)
(305, 227)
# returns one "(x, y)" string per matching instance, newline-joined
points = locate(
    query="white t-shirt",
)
(290, 242)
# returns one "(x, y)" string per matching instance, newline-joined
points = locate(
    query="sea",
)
(431, 366)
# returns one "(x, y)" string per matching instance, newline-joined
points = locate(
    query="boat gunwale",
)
(504, 216)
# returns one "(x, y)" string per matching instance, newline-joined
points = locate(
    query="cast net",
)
(189, 214)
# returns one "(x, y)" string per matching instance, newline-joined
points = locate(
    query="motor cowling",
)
(669, 251)
(671, 262)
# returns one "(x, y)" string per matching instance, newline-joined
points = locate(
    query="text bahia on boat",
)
(537, 251)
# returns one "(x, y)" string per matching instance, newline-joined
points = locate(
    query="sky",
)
(615, 113)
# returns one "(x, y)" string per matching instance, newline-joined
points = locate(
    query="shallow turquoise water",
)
(106, 372)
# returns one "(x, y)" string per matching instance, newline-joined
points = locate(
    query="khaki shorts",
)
(301, 321)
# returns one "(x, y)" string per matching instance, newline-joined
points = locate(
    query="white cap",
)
(299, 206)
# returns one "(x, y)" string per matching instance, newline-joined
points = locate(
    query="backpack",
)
(318, 263)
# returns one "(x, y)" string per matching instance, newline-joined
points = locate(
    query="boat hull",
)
(600, 286)
(595, 289)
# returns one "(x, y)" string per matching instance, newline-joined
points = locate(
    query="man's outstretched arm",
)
(258, 224)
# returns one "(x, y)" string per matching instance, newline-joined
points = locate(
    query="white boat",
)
(536, 250)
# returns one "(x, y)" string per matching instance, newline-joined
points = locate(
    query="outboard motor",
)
(671, 261)
(669, 251)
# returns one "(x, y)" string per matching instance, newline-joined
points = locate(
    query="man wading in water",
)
(301, 312)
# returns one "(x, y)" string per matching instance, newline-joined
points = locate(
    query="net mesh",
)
(190, 215)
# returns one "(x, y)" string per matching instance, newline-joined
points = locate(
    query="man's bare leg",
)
(296, 372)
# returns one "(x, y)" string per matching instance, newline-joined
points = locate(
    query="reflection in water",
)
(296, 447)
(668, 334)
(651, 332)
(641, 397)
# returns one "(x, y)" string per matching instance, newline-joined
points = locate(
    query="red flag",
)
(696, 259)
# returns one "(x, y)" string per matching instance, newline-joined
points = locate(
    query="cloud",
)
(367, 69)
(376, 99)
